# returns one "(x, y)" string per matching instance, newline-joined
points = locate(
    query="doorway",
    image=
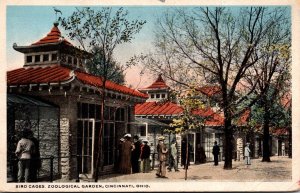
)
(109, 136)
(192, 141)
(85, 146)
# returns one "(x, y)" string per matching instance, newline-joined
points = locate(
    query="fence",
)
(49, 171)
(49, 168)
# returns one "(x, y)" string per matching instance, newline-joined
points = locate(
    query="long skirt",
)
(145, 165)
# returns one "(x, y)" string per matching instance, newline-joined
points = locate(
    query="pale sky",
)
(27, 24)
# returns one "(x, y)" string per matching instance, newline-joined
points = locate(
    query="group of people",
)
(216, 151)
(173, 156)
(28, 155)
(134, 157)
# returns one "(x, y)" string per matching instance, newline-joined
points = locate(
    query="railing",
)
(51, 165)
(78, 157)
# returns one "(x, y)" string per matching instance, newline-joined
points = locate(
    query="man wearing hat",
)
(162, 157)
(145, 157)
(247, 154)
(173, 156)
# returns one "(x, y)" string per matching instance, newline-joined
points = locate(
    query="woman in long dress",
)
(125, 166)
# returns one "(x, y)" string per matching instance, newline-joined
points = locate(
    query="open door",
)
(85, 146)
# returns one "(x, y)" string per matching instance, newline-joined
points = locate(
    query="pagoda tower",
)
(51, 50)
(157, 91)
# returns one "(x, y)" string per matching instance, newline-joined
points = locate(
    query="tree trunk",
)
(290, 142)
(99, 152)
(228, 147)
(266, 132)
(186, 156)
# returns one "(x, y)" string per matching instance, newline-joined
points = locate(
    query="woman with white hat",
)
(125, 165)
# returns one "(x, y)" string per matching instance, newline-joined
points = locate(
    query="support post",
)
(51, 168)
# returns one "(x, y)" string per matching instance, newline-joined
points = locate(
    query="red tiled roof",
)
(97, 82)
(213, 119)
(280, 131)
(158, 84)
(154, 108)
(210, 90)
(173, 109)
(38, 75)
(54, 36)
(58, 74)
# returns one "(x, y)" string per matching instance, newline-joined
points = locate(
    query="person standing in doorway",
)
(24, 151)
(216, 151)
(162, 157)
(173, 157)
(247, 154)
(136, 154)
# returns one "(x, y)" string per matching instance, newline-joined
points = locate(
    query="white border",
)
(167, 186)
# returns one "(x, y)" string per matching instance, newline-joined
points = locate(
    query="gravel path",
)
(279, 170)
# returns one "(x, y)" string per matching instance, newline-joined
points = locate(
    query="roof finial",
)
(160, 79)
(56, 19)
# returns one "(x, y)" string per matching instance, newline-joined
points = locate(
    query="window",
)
(152, 96)
(112, 113)
(28, 59)
(79, 109)
(63, 58)
(75, 61)
(69, 60)
(120, 114)
(143, 130)
(107, 113)
(129, 114)
(37, 58)
(98, 112)
(108, 144)
(163, 96)
(91, 111)
(85, 110)
(157, 96)
(80, 62)
(45, 57)
(54, 57)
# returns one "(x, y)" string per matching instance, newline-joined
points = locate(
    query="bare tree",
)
(104, 29)
(214, 44)
(273, 84)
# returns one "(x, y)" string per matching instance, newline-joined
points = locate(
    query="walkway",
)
(279, 170)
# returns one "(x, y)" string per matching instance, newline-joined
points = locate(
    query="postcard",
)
(160, 95)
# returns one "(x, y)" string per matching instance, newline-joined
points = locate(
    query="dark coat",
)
(136, 153)
(145, 152)
(216, 150)
(135, 156)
